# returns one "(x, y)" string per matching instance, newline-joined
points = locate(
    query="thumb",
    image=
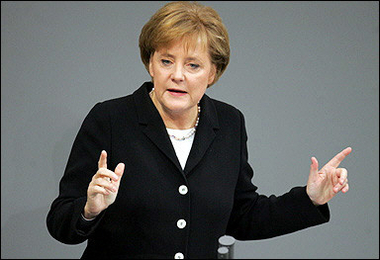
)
(119, 170)
(314, 166)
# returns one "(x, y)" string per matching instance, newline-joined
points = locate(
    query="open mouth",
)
(177, 91)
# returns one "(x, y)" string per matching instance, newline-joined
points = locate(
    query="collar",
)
(154, 127)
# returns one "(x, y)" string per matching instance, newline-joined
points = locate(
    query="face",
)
(180, 76)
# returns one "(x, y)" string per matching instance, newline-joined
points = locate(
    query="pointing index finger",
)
(334, 162)
(103, 160)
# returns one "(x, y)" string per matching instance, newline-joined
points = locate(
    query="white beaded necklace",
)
(192, 132)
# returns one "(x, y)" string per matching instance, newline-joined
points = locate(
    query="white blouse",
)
(182, 147)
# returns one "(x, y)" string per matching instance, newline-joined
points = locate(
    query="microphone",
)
(223, 252)
(226, 247)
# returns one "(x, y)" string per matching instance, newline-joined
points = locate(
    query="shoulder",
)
(224, 107)
(112, 106)
(107, 111)
(225, 111)
(124, 104)
(114, 103)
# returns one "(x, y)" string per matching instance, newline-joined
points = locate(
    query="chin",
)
(177, 109)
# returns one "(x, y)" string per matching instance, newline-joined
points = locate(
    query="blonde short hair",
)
(190, 21)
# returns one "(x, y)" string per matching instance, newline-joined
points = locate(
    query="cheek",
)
(212, 74)
(199, 82)
(199, 90)
(158, 73)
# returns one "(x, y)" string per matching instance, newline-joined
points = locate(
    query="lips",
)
(177, 92)
(173, 90)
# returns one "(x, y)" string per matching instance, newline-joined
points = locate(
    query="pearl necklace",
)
(192, 132)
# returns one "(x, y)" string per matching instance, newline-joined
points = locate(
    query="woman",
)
(163, 172)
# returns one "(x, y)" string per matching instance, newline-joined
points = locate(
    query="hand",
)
(324, 184)
(103, 188)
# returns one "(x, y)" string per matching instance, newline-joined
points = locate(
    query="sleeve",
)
(64, 221)
(256, 216)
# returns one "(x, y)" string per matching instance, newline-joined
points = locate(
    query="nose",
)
(177, 74)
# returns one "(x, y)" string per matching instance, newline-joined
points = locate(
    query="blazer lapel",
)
(153, 125)
(205, 134)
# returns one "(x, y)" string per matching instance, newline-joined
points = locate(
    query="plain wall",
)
(305, 75)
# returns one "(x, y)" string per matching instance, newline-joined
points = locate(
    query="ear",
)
(212, 74)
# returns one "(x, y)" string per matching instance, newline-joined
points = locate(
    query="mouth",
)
(177, 92)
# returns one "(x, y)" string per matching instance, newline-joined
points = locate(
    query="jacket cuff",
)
(319, 214)
(83, 226)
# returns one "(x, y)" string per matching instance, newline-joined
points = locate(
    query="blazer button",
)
(183, 189)
(181, 223)
(178, 256)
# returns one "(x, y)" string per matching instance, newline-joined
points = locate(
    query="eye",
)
(165, 62)
(194, 66)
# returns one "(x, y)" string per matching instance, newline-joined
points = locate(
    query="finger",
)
(109, 175)
(102, 190)
(345, 188)
(119, 170)
(102, 160)
(96, 189)
(334, 162)
(341, 180)
(342, 175)
(314, 165)
(104, 183)
(341, 187)
(109, 186)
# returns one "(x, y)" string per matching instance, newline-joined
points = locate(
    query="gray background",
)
(305, 74)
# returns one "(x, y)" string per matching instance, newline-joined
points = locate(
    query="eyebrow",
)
(187, 58)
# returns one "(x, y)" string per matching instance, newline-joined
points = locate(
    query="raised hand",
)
(103, 188)
(325, 183)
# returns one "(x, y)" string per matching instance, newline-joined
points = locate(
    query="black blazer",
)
(151, 218)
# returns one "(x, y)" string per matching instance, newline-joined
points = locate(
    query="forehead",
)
(185, 45)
